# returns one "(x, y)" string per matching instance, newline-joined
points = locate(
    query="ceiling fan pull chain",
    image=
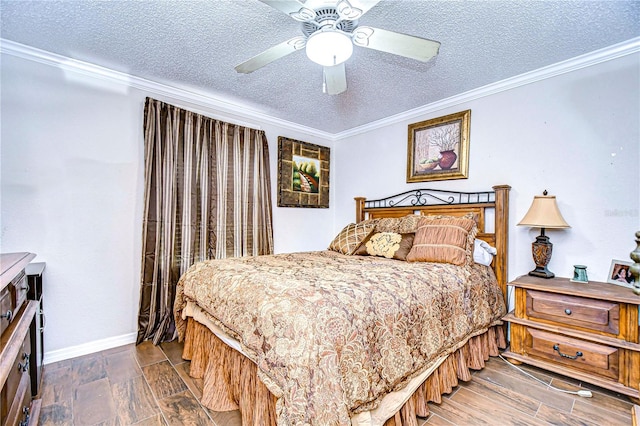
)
(324, 81)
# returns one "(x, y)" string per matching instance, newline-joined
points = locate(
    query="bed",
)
(359, 333)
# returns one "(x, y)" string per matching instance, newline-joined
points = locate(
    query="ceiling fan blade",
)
(276, 52)
(335, 79)
(293, 8)
(363, 5)
(413, 47)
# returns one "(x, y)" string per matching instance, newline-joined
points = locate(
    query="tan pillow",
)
(350, 238)
(369, 221)
(387, 244)
(444, 239)
(401, 225)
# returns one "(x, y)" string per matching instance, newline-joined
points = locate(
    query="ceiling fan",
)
(330, 31)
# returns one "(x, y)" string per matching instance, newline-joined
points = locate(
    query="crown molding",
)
(221, 106)
(593, 58)
(225, 107)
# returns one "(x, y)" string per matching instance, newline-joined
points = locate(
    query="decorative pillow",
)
(400, 225)
(387, 244)
(350, 238)
(483, 253)
(444, 239)
(369, 221)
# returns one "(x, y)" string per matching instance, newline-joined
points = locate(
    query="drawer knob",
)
(557, 349)
(8, 315)
(24, 367)
(27, 415)
(567, 311)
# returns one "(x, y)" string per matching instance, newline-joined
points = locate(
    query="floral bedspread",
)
(332, 334)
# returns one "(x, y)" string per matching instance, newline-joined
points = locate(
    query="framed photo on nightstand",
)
(619, 273)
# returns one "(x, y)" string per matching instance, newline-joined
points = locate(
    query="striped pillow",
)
(351, 237)
(444, 239)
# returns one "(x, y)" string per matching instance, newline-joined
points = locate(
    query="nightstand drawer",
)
(579, 354)
(580, 312)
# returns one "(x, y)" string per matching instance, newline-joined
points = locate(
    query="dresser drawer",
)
(579, 354)
(19, 288)
(573, 311)
(20, 412)
(6, 312)
(19, 369)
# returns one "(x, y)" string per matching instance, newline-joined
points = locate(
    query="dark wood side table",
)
(34, 273)
(588, 331)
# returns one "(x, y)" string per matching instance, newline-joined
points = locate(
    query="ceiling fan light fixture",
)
(329, 47)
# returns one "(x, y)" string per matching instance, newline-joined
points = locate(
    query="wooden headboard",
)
(435, 202)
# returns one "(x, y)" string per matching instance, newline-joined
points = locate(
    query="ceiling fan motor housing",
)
(328, 16)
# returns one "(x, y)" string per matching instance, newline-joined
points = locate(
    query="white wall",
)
(576, 135)
(72, 182)
(71, 160)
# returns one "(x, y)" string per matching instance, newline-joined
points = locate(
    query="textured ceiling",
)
(196, 44)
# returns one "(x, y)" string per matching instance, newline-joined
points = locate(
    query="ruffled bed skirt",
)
(231, 382)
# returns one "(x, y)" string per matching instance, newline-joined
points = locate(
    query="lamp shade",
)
(329, 48)
(544, 213)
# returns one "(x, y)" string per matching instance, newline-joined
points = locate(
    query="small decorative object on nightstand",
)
(588, 331)
(543, 213)
(579, 274)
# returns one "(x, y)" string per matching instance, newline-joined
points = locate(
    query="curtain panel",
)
(207, 195)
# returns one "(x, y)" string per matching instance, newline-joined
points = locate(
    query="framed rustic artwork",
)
(438, 149)
(619, 273)
(303, 174)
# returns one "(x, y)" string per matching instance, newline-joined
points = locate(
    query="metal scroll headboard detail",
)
(428, 197)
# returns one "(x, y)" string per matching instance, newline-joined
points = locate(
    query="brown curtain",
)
(207, 196)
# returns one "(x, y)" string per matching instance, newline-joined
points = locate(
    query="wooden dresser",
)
(17, 315)
(588, 331)
(35, 272)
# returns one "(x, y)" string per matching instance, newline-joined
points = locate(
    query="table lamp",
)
(543, 213)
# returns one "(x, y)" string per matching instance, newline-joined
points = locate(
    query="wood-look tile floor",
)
(150, 385)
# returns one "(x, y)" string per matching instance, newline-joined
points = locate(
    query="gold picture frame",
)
(303, 174)
(438, 149)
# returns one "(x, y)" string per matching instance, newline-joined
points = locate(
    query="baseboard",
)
(89, 348)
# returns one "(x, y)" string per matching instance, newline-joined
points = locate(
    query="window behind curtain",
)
(207, 196)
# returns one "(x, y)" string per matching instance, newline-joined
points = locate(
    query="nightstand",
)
(588, 331)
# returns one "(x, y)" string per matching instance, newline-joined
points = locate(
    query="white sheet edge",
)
(394, 401)
(192, 310)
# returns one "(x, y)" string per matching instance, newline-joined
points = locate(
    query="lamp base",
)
(541, 249)
(542, 273)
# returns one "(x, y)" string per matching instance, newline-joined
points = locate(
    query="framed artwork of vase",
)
(438, 149)
(303, 174)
